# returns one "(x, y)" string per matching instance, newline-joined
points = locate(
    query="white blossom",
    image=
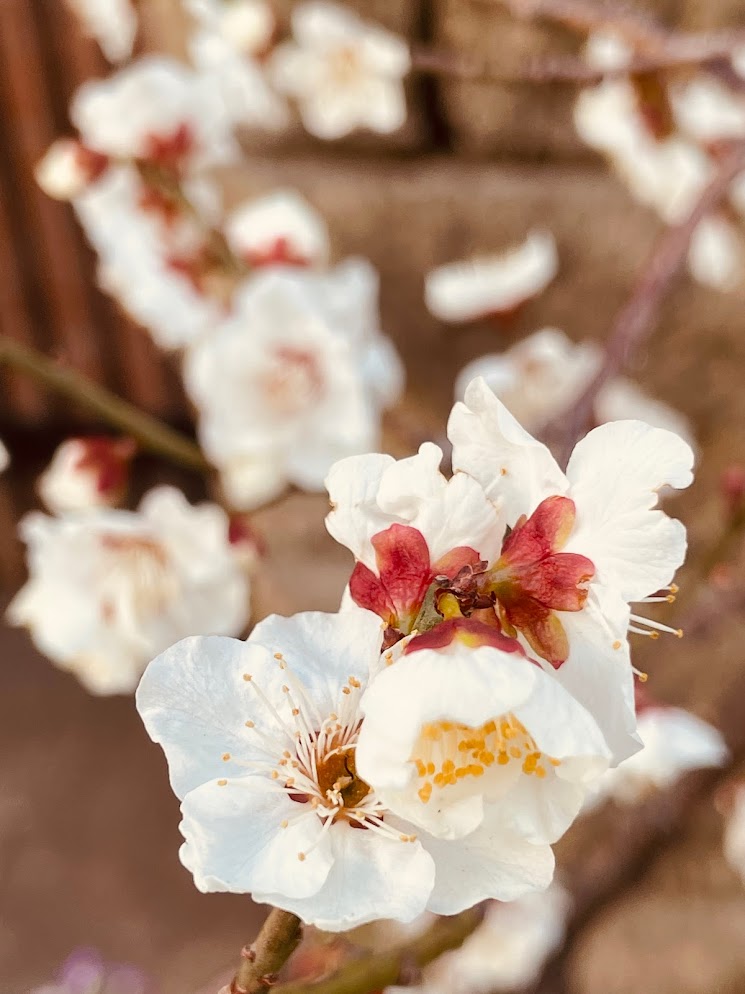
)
(541, 376)
(280, 228)
(734, 830)
(4, 457)
(108, 588)
(344, 73)
(113, 23)
(463, 733)
(506, 952)
(140, 257)
(86, 473)
(716, 255)
(246, 25)
(225, 46)
(292, 380)
(706, 110)
(492, 284)
(265, 733)
(155, 109)
(603, 515)
(675, 742)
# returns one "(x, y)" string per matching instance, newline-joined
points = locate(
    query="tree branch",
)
(559, 68)
(377, 971)
(278, 939)
(639, 30)
(149, 432)
(637, 319)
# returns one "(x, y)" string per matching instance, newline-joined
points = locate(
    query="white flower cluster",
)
(448, 724)
(663, 142)
(108, 588)
(284, 358)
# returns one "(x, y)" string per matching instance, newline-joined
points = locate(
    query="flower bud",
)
(68, 168)
(85, 473)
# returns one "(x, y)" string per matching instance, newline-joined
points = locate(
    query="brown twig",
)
(149, 432)
(376, 971)
(556, 69)
(637, 319)
(640, 31)
(260, 963)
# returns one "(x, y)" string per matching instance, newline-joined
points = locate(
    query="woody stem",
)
(151, 434)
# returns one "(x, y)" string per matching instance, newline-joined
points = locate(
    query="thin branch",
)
(278, 939)
(638, 317)
(641, 31)
(377, 971)
(554, 69)
(149, 432)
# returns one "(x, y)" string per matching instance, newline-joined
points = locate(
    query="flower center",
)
(337, 778)
(293, 383)
(137, 575)
(447, 754)
(345, 65)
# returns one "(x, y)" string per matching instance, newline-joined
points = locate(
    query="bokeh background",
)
(88, 826)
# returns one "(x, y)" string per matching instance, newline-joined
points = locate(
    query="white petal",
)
(598, 670)
(353, 485)
(616, 473)
(491, 863)
(194, 702)
(235, 842)
(323, 650)
(372, 877)
(490, 446)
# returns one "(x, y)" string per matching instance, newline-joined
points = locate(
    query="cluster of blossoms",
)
(664, 141)
(283, 356)
(109, 588)
(341, 73)
(448, 724)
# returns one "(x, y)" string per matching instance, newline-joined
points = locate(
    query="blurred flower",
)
(708, 111)
(68, 168)
(716, 256)
(581, 545)
(4, 457)
(85, 473)
(675, 742)
(280, 228)
(247, 25)
(108, 589)
(489, 285)
(157, 110)
(344, 73)
(292, 380)
(734, 829)
(541, 376)
(153, 261)
(85, 972)
(661, 142)
(225, 46)
(264, 732)
(506, 952)
(113, 23)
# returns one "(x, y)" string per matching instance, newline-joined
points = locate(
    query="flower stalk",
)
(638, 317)
(260, 963)
(149, 432)
(378, 971)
